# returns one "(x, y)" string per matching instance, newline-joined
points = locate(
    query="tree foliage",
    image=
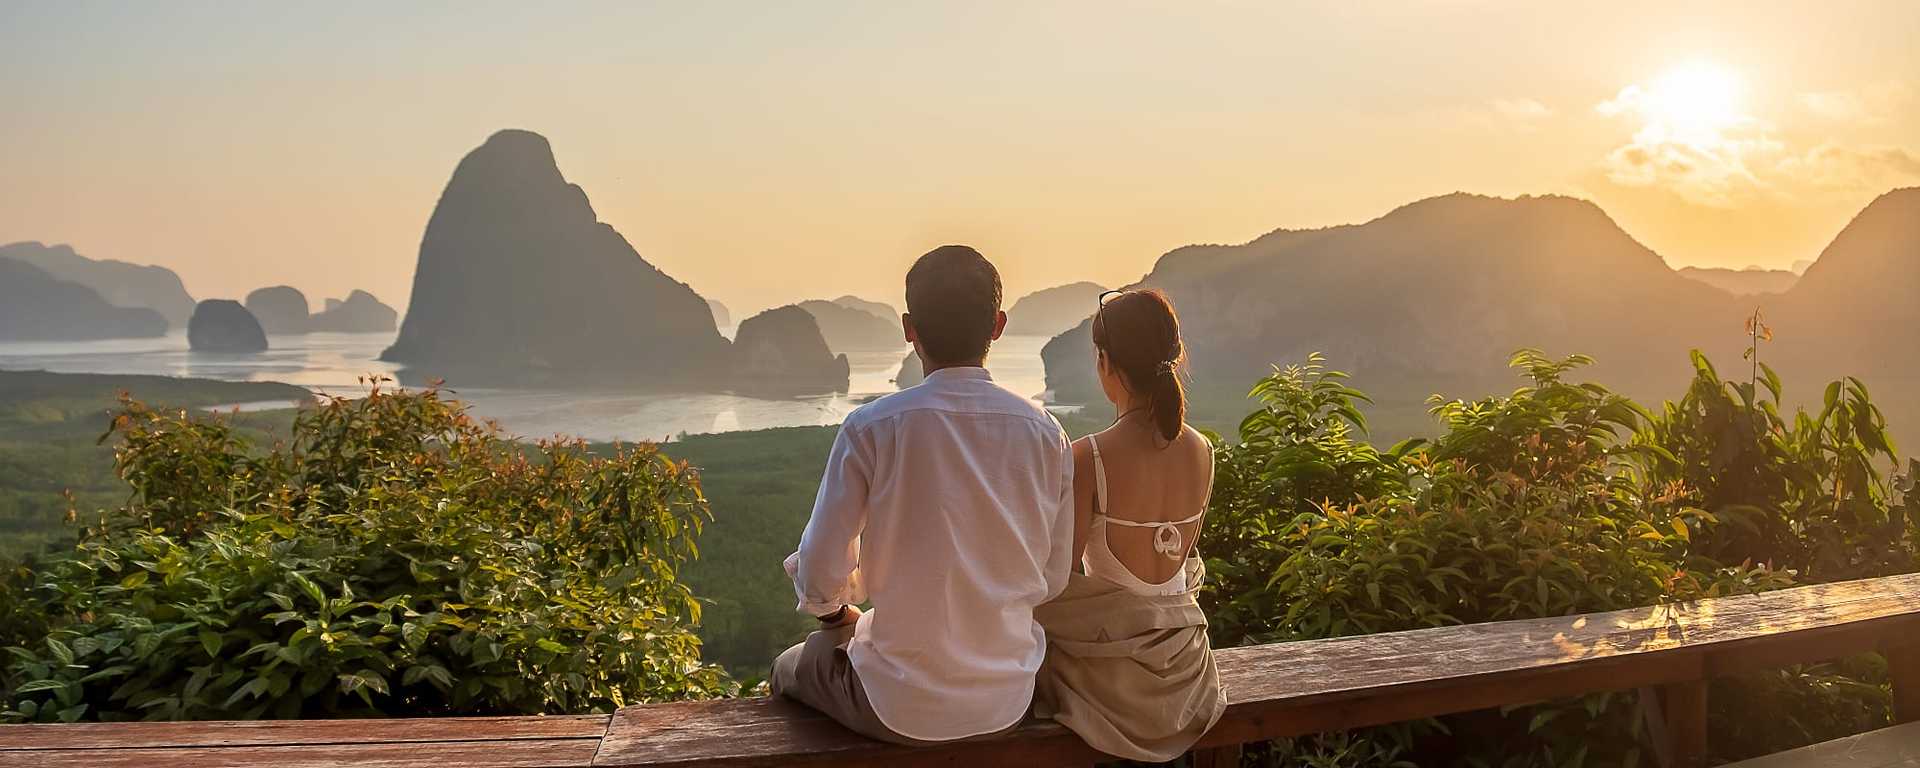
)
(392, 556)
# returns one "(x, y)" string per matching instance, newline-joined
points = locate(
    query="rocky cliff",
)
(35, 306)
(519, 281)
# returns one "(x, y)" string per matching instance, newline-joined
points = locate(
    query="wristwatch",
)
(835, 617)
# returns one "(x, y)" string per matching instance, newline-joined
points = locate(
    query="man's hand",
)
(847, 618)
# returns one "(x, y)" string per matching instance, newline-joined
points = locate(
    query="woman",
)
(1128, 665)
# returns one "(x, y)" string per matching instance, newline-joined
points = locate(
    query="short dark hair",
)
(953, 294)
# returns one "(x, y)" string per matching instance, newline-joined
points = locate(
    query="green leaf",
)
(35, 686)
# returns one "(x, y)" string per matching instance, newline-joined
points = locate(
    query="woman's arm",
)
(1082, 497)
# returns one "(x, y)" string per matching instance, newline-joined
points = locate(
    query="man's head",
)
(953, 306)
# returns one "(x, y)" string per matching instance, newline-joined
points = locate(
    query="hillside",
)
(1854, 311)
(119, 283)
(1431, 297)
(878, 309)
(36, 306)
(518, 281)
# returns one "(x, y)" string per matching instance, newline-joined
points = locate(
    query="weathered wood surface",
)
(1884, 748)
(1275, 690)
(278, 732)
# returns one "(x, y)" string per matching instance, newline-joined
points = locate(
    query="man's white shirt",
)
(950, 505)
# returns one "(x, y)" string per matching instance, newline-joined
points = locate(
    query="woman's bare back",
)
(1148, 481)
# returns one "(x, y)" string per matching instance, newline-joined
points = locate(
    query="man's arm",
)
(826, 569)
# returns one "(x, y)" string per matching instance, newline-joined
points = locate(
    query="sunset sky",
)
(771, 152)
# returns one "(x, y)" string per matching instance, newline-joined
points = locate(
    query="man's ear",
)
(999, 325)
(906, 326)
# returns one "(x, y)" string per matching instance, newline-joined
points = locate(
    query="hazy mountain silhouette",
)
(225, 325)
(1432, 297)
(35, 306)
(360, 313)
(911, 372)
(117, 282)
(878, 309)
(848, 329)
(721, 315)
(281, 309)
(1053, 310)
(1743, 282)
(782, 352)
(1855, 310)
(518, 281)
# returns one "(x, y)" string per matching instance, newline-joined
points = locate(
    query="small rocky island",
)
(361, 312)
(780, 352)
(281, 309)
(224, 325)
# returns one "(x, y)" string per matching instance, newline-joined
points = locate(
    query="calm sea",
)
(333, 363)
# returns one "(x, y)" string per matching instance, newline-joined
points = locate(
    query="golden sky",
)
(771, 152)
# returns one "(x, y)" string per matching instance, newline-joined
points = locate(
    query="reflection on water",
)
(332, 363)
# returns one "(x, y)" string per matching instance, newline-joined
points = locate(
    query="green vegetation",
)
(392, 556)
(50, 429)
(1556, 499)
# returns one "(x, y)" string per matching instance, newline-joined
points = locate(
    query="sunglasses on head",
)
(1106, 296)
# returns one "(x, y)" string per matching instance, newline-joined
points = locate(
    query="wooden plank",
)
(1884, 748)
(270, 732)
(1683, 707)
(756, 733)
(519, 753)
(1903, 666)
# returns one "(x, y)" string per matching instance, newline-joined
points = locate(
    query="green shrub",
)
(392, 557)
(1558, 498)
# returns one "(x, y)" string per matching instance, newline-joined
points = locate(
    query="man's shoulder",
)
(993, 401)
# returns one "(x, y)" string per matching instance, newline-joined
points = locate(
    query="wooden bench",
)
(1279, 690)
(1895, 747)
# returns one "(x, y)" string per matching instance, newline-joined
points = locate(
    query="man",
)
(950, 505)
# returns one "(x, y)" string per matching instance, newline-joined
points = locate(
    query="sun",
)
(1694, 104)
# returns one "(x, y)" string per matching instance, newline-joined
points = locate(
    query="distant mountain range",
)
(36, 306)
(850, 329)
(1743, 282)
(117, 282)
(1434, 295)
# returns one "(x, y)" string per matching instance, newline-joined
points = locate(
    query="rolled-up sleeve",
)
(826, 569)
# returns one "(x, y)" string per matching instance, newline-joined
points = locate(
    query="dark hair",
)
(953, 295)
(1140, 335)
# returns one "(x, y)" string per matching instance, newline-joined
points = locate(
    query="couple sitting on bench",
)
(1009, 570)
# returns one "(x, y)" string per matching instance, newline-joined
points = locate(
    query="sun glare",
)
(1694, 104)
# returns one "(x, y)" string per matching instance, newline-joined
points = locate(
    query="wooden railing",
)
(1279, 690)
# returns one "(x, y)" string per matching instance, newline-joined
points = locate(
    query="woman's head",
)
(1137, 336)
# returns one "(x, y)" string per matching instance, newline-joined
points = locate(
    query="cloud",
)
(1720, 174)
(1873, 104)
(1845, 167)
